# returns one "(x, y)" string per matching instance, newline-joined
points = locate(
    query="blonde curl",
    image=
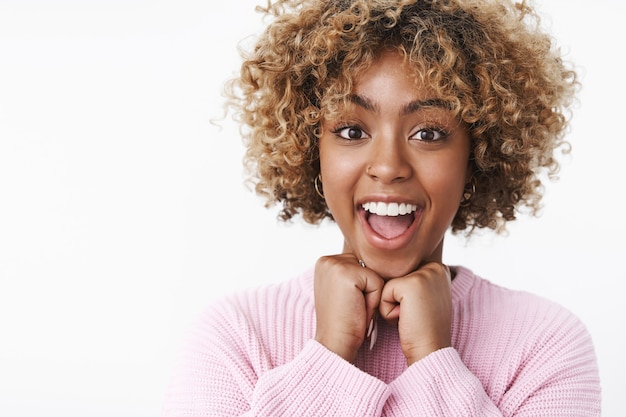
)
(489, 59)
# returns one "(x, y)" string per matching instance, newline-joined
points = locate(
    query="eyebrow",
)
(364, 102)
(408, 108)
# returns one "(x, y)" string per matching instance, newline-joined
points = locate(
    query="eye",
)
(430, 135)
(350, 133)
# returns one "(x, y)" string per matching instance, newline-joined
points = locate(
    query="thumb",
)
(372, 292)
(390, 300)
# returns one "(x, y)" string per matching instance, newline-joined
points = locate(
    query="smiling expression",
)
(393, 164)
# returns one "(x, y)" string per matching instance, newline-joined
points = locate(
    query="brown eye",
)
(354, 133)
(351, 133)
(429, 135)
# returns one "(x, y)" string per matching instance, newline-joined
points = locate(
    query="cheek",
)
(339, 178)
(339, 174)
(340, 168)
(446, 185)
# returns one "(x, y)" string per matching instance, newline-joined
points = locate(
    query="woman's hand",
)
(346, 298)
(421, 304)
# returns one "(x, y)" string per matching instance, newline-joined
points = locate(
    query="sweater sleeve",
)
(557, 376)
(226, 372)
(439, 385)
(318, 383)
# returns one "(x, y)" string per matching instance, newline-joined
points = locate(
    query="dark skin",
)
(347, 296)
(398, 148)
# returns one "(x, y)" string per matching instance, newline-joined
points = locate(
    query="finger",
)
(391, 298)
(419, 284)
(421, 304)
(372, 292)
(346, 297)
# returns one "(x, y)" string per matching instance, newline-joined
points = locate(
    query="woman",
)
(398, 120)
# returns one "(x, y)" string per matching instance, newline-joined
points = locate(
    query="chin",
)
(389, 270)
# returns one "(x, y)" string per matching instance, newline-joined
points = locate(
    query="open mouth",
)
(389, 220)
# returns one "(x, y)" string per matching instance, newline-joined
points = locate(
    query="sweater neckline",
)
(462, 282)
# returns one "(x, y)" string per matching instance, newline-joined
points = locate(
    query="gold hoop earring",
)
(468, 192)
(318, 184)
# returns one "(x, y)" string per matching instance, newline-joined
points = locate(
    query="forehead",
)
(386, 78)
(391, 71)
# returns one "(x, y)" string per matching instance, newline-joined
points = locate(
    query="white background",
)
(123, 211)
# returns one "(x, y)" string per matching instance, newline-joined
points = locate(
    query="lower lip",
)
(381, 242)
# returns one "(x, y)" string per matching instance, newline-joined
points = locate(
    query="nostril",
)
(389, 165)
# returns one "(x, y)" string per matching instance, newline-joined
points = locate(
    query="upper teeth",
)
(389, 209)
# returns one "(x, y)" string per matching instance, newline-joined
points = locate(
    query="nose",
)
(389, 160)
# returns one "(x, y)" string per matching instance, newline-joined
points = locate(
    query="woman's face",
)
(393, 164)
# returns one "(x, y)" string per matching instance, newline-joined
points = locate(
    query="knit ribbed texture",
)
(512, 354)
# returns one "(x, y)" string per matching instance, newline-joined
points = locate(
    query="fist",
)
(346, 298)
(421, 305)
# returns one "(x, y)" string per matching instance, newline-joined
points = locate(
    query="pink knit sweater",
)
(513, 354)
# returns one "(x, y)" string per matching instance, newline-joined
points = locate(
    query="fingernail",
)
(374, 335)
(370, 328)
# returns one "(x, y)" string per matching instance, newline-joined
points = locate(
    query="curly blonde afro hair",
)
(489, 59)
